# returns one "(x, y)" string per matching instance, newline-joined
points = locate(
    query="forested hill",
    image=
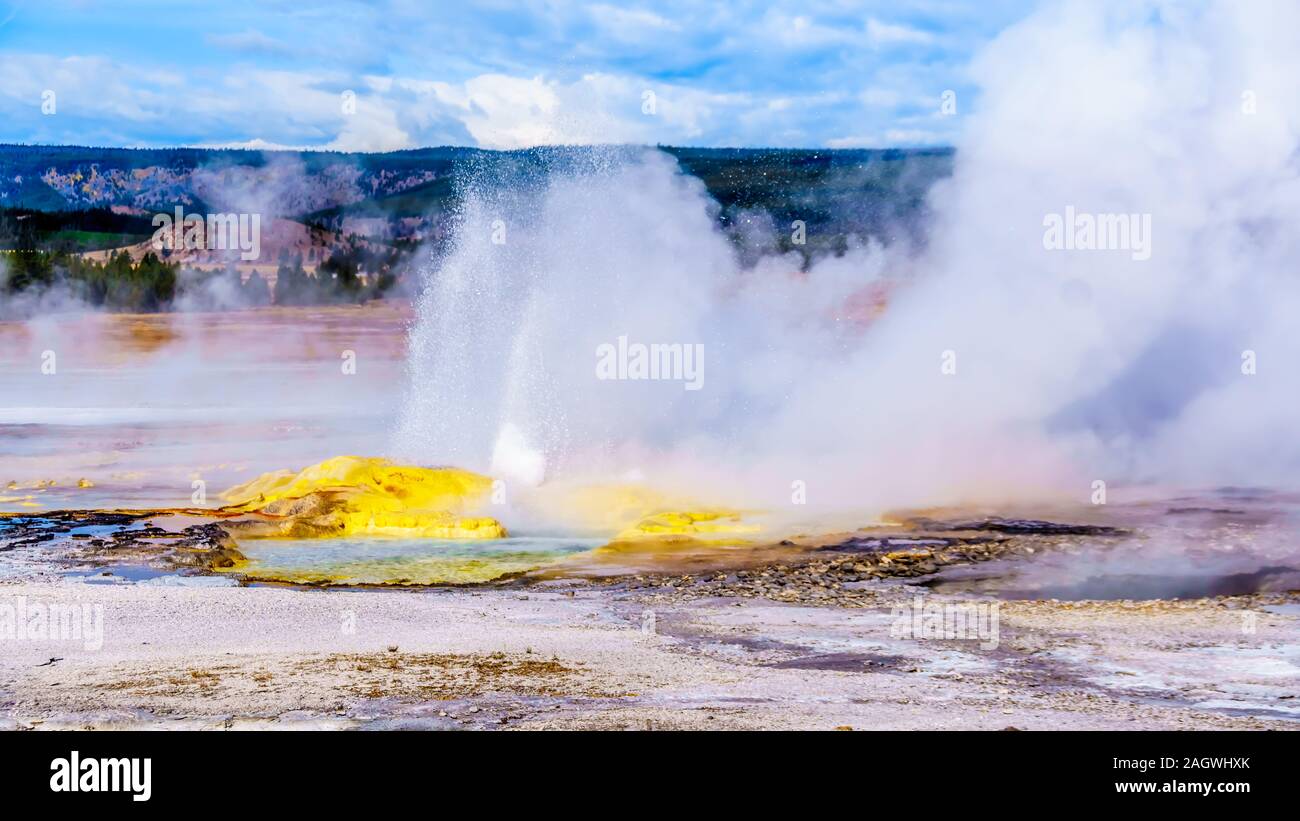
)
(404, 192)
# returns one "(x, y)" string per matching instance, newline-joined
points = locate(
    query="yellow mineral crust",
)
(701, 526)
(638, 512)
(360, 496)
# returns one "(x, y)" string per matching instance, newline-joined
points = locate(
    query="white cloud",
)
(804, 32)
(376, 129)
(630, 24)
(883, 97)
(885, 33)
(82, 86)
(506, 112)
(910, 136)
(501, 111)
(788, 73)
(250, 40)
(890, 138)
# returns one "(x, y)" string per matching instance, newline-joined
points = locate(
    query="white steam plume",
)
(1070, 366)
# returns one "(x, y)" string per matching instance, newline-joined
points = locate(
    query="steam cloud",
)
(1071, 366)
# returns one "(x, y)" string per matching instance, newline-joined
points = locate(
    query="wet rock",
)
(1036, 527)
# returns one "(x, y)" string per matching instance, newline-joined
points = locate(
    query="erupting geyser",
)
(514, 460)
(1004, 368)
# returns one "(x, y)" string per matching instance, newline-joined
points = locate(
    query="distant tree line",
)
(14, 221)
(71, 231)
(338, 278)
(152, 284)
(118, 284)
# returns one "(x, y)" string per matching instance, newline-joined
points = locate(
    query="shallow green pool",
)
(396, 561)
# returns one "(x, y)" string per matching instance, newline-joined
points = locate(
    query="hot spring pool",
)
(398, 561)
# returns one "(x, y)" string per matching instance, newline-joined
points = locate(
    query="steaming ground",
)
(142, 406)
(1066, 367)
(1000, 374)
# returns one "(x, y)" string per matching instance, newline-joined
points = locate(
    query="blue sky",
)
(815, 73)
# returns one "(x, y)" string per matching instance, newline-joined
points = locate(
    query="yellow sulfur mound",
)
(641, 513)
(359, 496)
(709, 525)
(606, 508)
